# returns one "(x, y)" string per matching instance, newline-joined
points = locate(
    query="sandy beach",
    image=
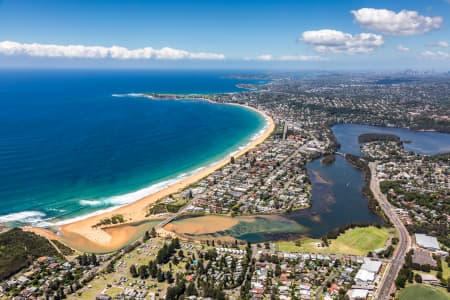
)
(81, 235)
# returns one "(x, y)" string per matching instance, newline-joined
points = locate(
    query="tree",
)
(146, 236)
(191, 290)
(169, 277)
(410, 276)
(133, 271)
(174, 293)
(143, 272)
(171, 294)
(176, 243)
(93, 260)
(160, 276)
(153, 232)
(180, 253)
(400, 281)
(418, 278)
(83, 259)
(61, 294)
(153, 269)
(426, 268)
(110, 267)
(232, 160)
(277, 270)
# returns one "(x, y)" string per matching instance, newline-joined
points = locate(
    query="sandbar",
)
(202, 225)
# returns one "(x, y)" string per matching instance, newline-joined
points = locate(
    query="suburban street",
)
(404, 245)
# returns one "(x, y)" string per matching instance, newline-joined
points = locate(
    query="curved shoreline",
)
(136, 211)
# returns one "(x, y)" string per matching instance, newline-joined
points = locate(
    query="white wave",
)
(35, 218)
(90, 202)
(21, 216)
(129, 197)
(56, 210)
(129, 95)
(82, 217)
(121, 200)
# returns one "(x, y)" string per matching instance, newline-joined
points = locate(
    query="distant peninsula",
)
(374, 137)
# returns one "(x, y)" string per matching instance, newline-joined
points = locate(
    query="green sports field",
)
(423, 292)
(356, 241)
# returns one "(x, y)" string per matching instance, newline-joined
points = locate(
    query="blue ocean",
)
(69, 147)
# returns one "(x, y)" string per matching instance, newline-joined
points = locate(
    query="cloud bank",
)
(269, 57)
(99, 52)
(442, 44)
(406, 22)
(333, 41)
(436, 54)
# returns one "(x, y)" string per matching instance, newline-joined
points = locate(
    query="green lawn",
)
(114, 291)
(356, 241)
(445, 270)
(423, 292)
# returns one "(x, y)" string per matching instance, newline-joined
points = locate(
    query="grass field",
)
(356, 241)
(445, 270)
(423, 292)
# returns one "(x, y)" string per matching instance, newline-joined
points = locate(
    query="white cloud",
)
(114, 52)
(442, 44)
(406, 22)
(301, 58)
(265, 57)
(436, 54)
(402, 48)
(269, 57)
(328, 40)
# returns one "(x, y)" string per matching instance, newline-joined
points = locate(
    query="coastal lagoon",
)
(337, 197)
(69, 148)
(336, 189)
(421, 142)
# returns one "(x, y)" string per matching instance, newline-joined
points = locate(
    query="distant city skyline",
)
(302, 35)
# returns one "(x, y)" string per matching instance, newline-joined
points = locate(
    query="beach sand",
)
(118, 236)
(81, 235)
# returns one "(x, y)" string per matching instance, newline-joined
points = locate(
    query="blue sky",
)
(366, 35)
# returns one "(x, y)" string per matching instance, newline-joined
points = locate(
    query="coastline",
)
(81, 232)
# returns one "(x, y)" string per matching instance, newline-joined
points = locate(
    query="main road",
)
(387, 282)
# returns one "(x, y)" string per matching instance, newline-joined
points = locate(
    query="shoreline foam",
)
(136, 211)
